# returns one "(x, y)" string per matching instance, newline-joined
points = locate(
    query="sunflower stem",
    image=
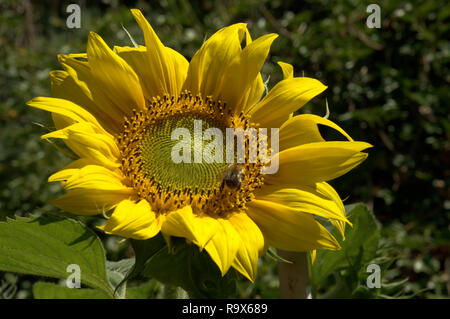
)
(294, 278)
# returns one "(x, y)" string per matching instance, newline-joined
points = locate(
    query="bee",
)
(232, 176)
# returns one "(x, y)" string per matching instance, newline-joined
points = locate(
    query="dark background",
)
(387, 86)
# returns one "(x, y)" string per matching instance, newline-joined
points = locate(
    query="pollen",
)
(146, 144)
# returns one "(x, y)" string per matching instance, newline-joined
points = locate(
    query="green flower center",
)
(157, 148)
(150, 143)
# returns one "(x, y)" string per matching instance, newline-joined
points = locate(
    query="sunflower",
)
(116, 110)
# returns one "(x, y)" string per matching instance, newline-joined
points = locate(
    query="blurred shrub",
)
(387, 86)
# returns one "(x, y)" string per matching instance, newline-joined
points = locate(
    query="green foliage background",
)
(387, 86)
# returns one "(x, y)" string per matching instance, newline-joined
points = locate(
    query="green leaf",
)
(395, 284)
(122, 266)
(340, 290)
(143, 251)
(359, 247)
(182, 266)
(47, 290)
(192, 270)
(117, 272)
(45, 246)
(145, 291)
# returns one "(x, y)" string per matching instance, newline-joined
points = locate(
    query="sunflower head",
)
(150, 132)
(149, 150)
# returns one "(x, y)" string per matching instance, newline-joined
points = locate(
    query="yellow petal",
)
(240, 75)
(86, 143)
(306, 199)
(133, 220)
(257, 88)
(72, 112)
(183, 223)
(339, 226)
(312, 253)
(316, 162)
(285, 228)
(63, 86)
(322, 195)
(181, 66)
(211, 62)
(77, 67)
(303, 129)
(63, 174)
(90, 177)
(253, 95)
(286, 97)
(329, 192)
(70, 169)
(246, 261)
(108, 113)
(224, 245)
(165, 69)
(288, 70)
(137, 58)
(57, 78)
(114, 75)
(91, 201)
